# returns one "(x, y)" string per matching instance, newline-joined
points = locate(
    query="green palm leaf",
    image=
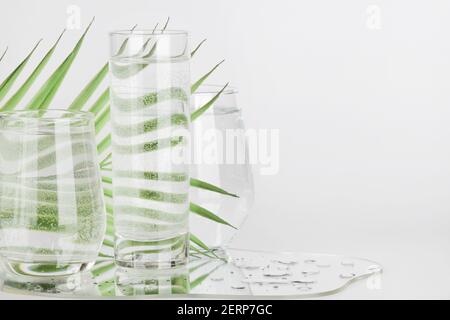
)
(101, 120)
(104, 144)
(92, 85)
(89, 89)
(100, 103)
(197, 113)
(11, 78)
(199, 82)
(196, 252)
(193, 52)
(193, 182)
(44, 96)
(144, 47)
(207, 186)
(105, 161)
(125, 43)
(197, 241)
(196, 282)
(17, 97)
(208, 214)
(3, 54)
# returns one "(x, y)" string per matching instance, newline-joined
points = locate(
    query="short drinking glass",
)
(52, 217)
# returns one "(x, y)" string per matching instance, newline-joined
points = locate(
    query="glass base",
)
(154, 254)
(44, 269)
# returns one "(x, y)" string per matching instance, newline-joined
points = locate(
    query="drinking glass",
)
(221, 158)
(149, 93)
(52, 217)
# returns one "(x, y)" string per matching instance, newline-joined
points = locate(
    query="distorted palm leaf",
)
(100, 107)
(123, 72)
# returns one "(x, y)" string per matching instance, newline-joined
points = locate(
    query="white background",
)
(363, 111)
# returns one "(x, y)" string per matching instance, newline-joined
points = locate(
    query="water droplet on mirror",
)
(374, 268)
(347, 275)
(304, 288)
(276, 275)
(285, 262)
(309, 261)
(238, 287)
(303, 281)
(323, 265)
(245, 267)
(348, 263)
(217, 279)
(310, 272)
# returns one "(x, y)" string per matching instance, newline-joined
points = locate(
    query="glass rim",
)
(149, 32)
(48, 116)
(214, 89)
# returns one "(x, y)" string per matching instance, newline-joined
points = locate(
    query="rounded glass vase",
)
(220, 158)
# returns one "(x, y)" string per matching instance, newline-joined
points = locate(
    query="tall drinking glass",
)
(150, 92)
(52, 217)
